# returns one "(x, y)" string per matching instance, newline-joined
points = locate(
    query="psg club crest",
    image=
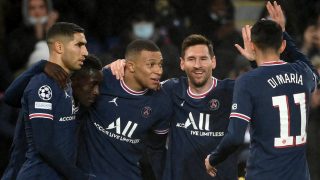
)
(214, 104)
(146, 111)
(45, 92)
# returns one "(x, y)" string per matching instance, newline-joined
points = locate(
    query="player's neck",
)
(202, 89)
(131, 83)
(55, 58)
(262, 58)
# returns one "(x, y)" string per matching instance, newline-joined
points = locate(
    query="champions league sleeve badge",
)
(45, 92)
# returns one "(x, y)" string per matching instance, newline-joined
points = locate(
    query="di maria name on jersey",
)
(198, 124)
(117, 127)
(274, 99)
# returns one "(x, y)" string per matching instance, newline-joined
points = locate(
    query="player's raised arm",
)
(291, 52)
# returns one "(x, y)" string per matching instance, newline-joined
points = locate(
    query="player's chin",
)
(153, 86)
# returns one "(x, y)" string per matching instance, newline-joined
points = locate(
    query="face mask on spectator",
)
(143, 30)
(218, 18)
(41, 20)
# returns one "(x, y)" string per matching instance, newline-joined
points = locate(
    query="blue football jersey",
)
(117, 126)
(44, 100)
(274, 99)
(198, 125)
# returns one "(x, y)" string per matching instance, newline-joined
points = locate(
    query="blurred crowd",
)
(111, 25)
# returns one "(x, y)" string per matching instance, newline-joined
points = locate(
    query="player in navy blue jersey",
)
(50, 111)
(125, 113)
(201, 110)
(274, 99)
(85, 86)
(202, 106)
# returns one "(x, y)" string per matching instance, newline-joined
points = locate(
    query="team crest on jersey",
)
(45, 92)
(146, 111)
(214, 104)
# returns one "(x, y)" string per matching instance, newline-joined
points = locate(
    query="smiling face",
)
(86, 88)
(148, 69)
(74, 52)
(198, 65)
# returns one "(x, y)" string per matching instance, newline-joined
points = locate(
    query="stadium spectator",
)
(38, 17)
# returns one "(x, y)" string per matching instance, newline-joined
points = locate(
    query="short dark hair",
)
(139, 45)
(90, 64)
(196, 39)
(63, 29)
(266, 34)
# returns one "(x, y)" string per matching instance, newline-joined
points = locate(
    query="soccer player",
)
(274, 99)
(201, 105)
(50, 111)
(85, 86)
(201, 108)
(125, 113)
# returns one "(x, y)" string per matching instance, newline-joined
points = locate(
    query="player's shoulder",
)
(248, 79)
(174, 84)
(42, 80)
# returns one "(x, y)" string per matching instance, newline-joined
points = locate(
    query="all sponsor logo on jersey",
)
(45, 92)
(120, 133)
(146, 111)
(214, 104)
(202, 128)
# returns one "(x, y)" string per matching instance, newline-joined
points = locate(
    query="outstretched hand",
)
(276, 14)
(247, 51)
(57, 73)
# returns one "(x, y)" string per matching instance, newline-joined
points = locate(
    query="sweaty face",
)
(86, 89)
(148, 69)
(37, 8)
(75, 52)
(198, 65)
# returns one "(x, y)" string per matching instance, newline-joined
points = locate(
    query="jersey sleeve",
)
(239, 118)
(15, 91)
(41, 100)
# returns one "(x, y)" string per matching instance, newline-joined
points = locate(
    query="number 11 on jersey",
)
(285, 140)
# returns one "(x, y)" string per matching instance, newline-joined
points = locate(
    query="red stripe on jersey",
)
(165, 131)
(240, 116)
(40, 115)
(273, 63)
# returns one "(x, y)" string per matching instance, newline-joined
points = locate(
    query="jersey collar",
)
(273, 63)
(130, 91)
(200, 96)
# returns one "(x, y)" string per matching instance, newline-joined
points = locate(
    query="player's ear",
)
(130, 65)
(213, 61)
(182, 63)
(58, 47)
(283, 46)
